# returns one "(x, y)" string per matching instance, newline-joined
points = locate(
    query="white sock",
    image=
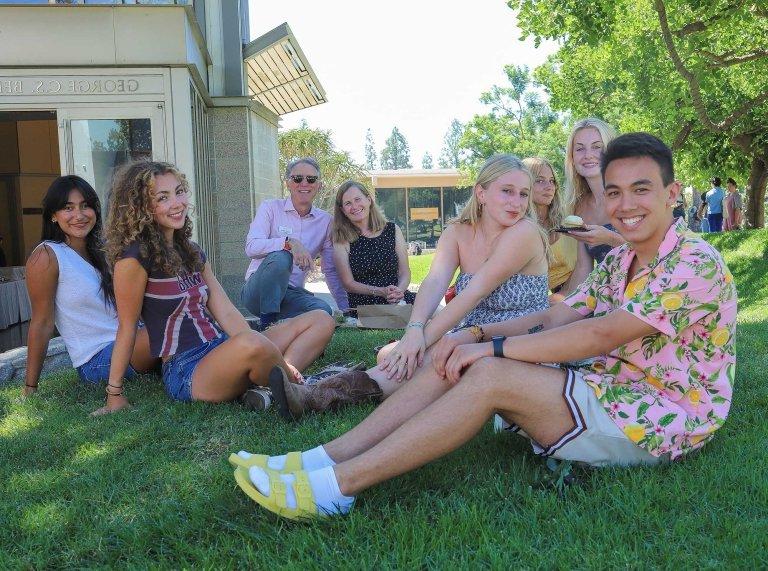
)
(325, 488)
(313, 459)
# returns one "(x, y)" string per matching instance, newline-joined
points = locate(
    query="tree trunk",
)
(758, 178)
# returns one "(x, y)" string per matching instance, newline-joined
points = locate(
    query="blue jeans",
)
(178, 370)
(268, 291)
(96, 370)
(715, 222)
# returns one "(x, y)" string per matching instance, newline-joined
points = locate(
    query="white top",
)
(85, 320)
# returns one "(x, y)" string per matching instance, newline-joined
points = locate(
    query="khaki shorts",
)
(595, 439)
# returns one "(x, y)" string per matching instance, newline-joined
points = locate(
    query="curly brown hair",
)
(131, 219)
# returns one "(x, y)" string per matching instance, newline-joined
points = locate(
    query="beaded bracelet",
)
(417, 324)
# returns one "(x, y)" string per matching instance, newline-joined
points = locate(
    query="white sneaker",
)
(499, 424)
(257, 398)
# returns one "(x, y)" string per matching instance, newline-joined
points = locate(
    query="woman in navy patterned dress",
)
(370, 253)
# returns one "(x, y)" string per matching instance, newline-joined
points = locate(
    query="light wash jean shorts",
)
(178, 370)
(96, 370)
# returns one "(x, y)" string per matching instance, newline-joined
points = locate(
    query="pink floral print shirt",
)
(670, 391)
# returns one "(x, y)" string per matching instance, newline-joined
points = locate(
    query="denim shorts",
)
(96, 370)
(178, 370)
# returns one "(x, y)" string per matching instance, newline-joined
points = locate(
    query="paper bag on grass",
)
(384, 316)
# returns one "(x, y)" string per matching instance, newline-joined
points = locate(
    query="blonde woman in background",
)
(584, 185)
(551, 207)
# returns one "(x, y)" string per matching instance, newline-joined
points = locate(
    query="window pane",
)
(425, 222)
(392, 203)
(99, 146)
(454, 200)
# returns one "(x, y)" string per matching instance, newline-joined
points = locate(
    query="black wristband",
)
(498, 345)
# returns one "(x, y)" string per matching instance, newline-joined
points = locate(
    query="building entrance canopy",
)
(279, 75)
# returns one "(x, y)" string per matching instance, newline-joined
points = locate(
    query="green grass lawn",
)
(151, 487)
(419, 267)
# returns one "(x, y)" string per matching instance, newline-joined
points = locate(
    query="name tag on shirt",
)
(285, 230)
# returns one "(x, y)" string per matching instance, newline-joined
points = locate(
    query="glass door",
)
(99, 140)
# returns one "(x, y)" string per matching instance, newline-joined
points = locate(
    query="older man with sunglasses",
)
(283, 241)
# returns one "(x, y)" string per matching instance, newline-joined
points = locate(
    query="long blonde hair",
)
(576, 186)
(343, 230)
(495, 167)
(558, 209)
(131, 219)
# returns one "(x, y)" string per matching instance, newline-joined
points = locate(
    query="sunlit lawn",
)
(151, 487)
(419, 267)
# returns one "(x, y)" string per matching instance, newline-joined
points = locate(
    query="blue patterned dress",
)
(520, 295)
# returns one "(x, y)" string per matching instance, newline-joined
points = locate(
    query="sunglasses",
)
(299, 178)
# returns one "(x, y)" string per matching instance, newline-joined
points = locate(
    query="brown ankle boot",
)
(294, 400)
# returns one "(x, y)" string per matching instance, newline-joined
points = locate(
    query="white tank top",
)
(84, 319)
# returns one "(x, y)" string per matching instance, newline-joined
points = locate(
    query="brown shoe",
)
(294, 400)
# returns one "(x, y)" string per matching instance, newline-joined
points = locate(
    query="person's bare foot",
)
(114, 404)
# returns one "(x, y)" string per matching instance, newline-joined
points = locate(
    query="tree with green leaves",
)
(451, 155)
(396, 154)
(426, 161)
(336, 166)
(371, 159)
(695, 73)
(519, 122)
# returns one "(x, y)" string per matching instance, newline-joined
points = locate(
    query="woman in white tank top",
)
(70, 287)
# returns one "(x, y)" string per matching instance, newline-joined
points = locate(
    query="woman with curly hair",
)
(551, 208)
(70, 287)
(208, 350)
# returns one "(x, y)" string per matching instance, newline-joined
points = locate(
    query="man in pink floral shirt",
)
(671, 390)
(657, 316)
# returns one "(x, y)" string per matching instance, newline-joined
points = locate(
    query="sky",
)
(414, 64)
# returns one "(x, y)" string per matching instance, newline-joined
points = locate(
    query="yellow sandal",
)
(276, 502)
(292, 462)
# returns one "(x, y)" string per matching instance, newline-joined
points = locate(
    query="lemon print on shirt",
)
(634, 432)
(671, 301)
(654, 382)
(635, 287)
(720, 337)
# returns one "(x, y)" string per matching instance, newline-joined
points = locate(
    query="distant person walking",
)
(703, 213)
(732, 205)
(714, 200)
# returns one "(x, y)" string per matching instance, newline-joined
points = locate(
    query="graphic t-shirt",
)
(671, 390)
(174, 308)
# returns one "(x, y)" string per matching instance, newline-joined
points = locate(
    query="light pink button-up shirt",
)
(277, 220)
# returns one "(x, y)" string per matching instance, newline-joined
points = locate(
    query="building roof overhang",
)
(402, 178)
(278, 73)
